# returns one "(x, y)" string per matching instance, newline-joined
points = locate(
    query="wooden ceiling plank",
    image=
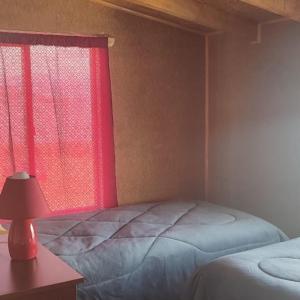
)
(186, 13)
(285, 8)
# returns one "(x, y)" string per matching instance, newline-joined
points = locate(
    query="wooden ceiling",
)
(207, 16)
(242, 9)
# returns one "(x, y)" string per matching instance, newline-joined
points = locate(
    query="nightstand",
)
(44, 278)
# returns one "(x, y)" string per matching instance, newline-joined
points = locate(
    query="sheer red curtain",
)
(56, 118)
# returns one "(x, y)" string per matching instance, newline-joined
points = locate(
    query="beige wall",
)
(157, 81)
(254, 158)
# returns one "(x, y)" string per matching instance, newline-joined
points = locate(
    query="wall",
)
(254, 135)
(157, 84)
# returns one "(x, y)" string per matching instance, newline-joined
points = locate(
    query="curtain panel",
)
(56, 118)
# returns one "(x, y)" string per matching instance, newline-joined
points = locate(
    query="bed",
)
(148, 251)
(271, 272)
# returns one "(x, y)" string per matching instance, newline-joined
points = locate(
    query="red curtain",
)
(56, 118)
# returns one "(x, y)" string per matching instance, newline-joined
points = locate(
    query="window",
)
(56, 117)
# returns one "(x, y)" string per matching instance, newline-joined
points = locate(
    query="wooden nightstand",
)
(44, 278)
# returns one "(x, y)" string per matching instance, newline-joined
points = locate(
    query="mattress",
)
(271, 272)
(148, 251)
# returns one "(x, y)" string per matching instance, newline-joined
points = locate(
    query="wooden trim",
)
(187, 14)
(153, 18)
(206, 118)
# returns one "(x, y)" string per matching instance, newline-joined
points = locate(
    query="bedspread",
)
(268, 273)
(148, 251)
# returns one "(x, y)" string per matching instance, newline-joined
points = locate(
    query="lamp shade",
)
(22, 199)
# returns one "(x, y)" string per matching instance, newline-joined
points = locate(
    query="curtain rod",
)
(111, 39)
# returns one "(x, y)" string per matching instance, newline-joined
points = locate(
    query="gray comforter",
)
(148, 251)
(268, 273)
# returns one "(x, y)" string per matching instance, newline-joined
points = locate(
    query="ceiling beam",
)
(285, 8)
(188, 14)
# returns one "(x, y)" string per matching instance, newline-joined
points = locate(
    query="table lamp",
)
(21, 200)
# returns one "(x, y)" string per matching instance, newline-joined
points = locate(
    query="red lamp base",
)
(22, 243)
